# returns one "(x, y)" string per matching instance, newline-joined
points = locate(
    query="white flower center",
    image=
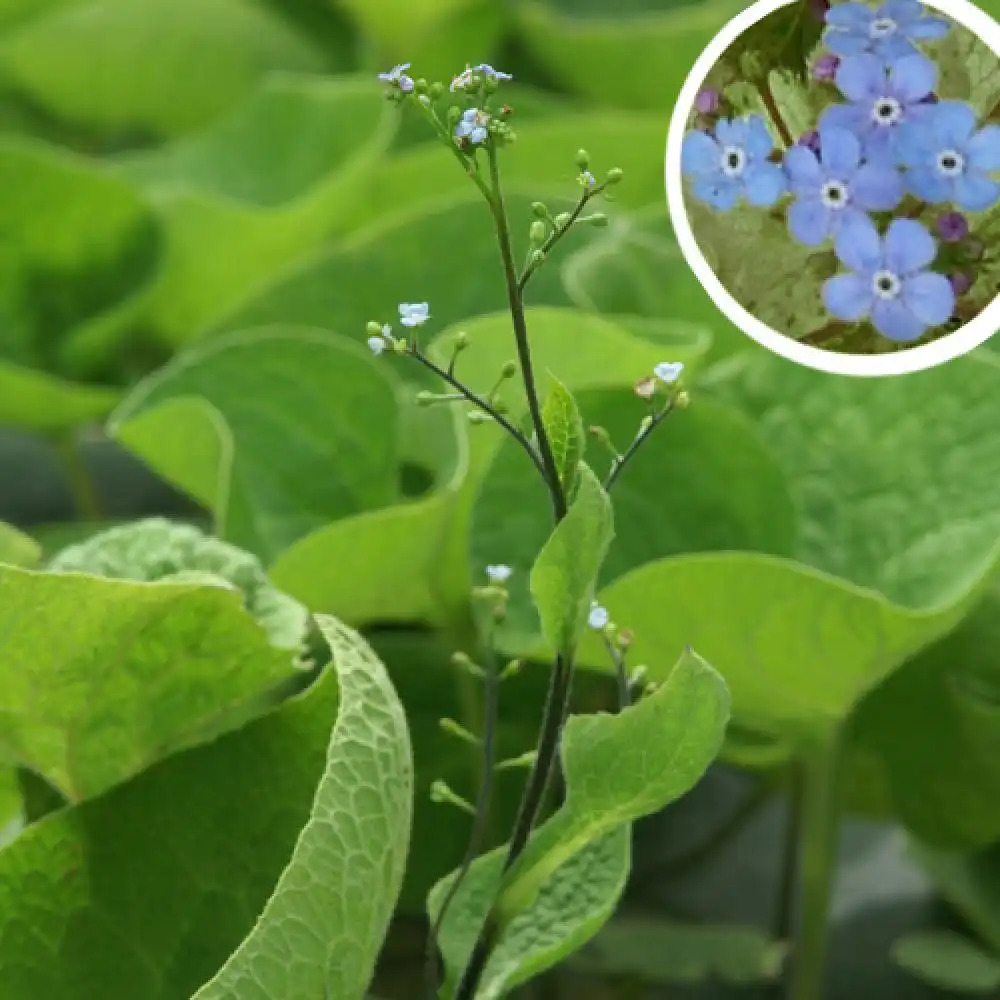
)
(881, 27)
(733, 161)
(950, 162)
(886, 285)
(887, 111)
(834, 194)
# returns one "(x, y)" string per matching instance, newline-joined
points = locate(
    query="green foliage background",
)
(203, 203)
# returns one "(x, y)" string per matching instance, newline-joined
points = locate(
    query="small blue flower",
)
(733, 164)
(947, 159)
(887, 32)
(473, 126)
(378, 344)
(835, 187)
(669, 371)
(889, 282)
(598, 617)
(881, 99)
(498, 573)
(397, 76)
(413, 313)
(470, 73)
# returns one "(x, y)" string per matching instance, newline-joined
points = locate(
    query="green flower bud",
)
(562, 220)
(437, 90)
(537, 232)
(425, 398)
(615, 175)
(537, 258)
(582, 159)
(598, 219)
(540, 209)
(682, 400)
(374, 329)
(461, 341)
(509, 369)
(454, 113)
(478, 417)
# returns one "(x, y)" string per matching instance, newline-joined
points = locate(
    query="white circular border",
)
(953, 345)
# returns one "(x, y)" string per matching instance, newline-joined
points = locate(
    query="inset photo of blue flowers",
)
(842, 174)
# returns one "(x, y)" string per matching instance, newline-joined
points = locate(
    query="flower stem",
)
(640, 440)
(818, 852)
(767, 96)
(85, 495)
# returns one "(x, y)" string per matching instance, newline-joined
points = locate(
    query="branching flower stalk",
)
(466, 120)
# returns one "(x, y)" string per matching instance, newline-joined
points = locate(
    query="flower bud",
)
(825, 68)
(562, 220)
(425, 398)
(478, 417)
(598, 219)
(374, 329)
(436, 90)
(582, 159)
(818, 9)
(810, 140)
(682, 400)
(454, 114)
(952, 227)
(461, 342)
(422, 86)
(960, 283)
(615, 175)
(538, 208)
(708, 100)
(538, 258)
(509, 369)
(424, 101)
(537, 232)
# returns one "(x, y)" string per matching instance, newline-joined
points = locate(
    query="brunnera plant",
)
(873, 177)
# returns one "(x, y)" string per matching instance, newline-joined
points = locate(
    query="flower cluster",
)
(884, 154)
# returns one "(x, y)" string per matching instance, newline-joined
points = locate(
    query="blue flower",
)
(946, 159)
(598, 617)
(733, 163)
(881, 100)
(669, 371)
(413, 313)
(835, 187)
(889, 282)
(887, 32)
(397, 76)
(473, 126)
(378, 344)
(469, 76)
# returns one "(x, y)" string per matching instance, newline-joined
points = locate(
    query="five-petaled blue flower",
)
(733, 163)
(946, 159)
(398, 77)
(889, 283)
(473, 126)
(881, 99)
(887, 32)
(836, 187)
(413, 313)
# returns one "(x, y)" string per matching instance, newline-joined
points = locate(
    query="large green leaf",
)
(33, 400)
(103, 677)
(644, 54)
(444, 253)
(948, 961)
(78, 248)
(289, 429)
(617, 768)
(703, 481)
(258, 191)
(18, 549)
(324, 926)
(147, 70)
(147, 891)
(564, 576)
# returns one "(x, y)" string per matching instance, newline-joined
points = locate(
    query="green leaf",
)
(18, 549)
(278, 431)
(644, 58)
(564, 427)
(571, 907)
(715, 487)
(66, 303)
(128, 70)
(968, 70)
(565, 573)
(619, 768)
(257, 192)
(948, 961)
(668, 952)
(783, 40)
(318, 932)
(128, 673)
(34, 401)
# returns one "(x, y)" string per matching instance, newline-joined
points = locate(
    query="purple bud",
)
(810, 140)
(707, 102)
(825, 68)
(952, 227)
(818, 8)
(960, 283)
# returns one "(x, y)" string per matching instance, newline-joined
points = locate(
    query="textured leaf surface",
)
(150, 69)
(564, 576)
(102, 677)
(313, 426)
(324, 926)
(948, 960)
(564, 427)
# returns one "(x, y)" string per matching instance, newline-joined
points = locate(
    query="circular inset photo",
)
(833, 179)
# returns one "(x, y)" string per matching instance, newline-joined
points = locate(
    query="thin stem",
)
(480, 824)
(767, 96)
(482, 404)
(557, 234)
(784, 913)
(621, 674)
(818, 863)
(81, 483)
(516, 303)
(640, 440)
